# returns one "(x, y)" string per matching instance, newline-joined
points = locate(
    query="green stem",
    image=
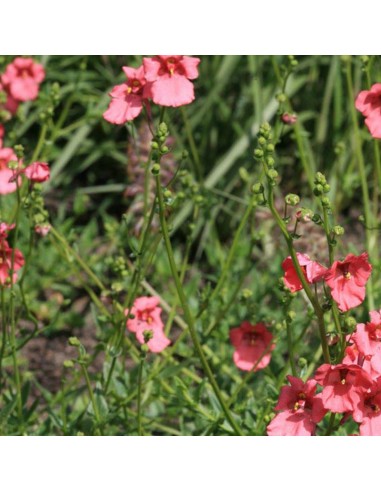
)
(192, 144)
(315, 304)
(362, 172)
(290, 346)
(40, 143)
(187, 313)
(139, 409)
(92, 398)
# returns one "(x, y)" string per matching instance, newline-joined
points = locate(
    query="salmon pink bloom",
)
(343, 386)
(368, 336)
(128, 98)
(347, 280)
(147, 318)
(7, 176)
(302, 409)
(368, 412)
(169, 78)
(312, 270)
(10, 103)
(38, 172)
(22, 79)
(253, 344)
(369, 104)
(6, 254)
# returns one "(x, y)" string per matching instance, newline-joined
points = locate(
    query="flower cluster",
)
(19, 83)
(11, 259)
(163, 79)
(352, 388)
(144, 320)
(346, 279)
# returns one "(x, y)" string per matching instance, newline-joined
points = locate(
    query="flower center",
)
(250, 339)
(146, 316)
(347, 275)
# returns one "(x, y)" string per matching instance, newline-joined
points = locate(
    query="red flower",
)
(38, 172)
(6, 253)
(22, 79)
(368, 412)
(312, 270)
(147, 319)
(343, 386)
(347, 280)
(170, 79)
(253, 346)
(7, 176)
(128, 98)
(4, 229)
(369, 104)
(302, 409)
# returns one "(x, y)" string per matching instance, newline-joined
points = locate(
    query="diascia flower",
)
(37, 172)
(301, 409)
(170, 77)
(369, 104)
(147, 318)
(312, 270)
(343, 386)
(6, 254)
(253, 346)
(347, 280)
(368, 411)
(128, 98)
(22, 79)
(8, 183)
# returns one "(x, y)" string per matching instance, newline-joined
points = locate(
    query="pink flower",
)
(369, 104)
(347, 280)
(302, 409)
(6, 253)
(128, 98)
(22, 79)
(7, 176)
(289, 119)
(10, 104)
(147, 319)
(368, 336)
(368, 412)
(4, 229)
(253, 346)
(42, 230)
(38, 172)
(170, 79)
(343, 386)
(312, 270)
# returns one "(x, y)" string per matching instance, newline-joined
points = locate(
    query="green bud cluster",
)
(321, 186)
(264, 153)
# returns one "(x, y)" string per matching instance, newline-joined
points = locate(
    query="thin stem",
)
(139, 414)
(40, 143)
(362, 172)
(92, 398)
(192, 144)
(187, 313)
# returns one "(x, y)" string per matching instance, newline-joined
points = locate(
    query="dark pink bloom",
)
(147, 318)
(169, 78)
(312, 270)
(42, 230)
(302, 409)
(22, 79)
(343, 386)
(368, 412)
(4, 229)
(6, 253)
(347, 280)
(38, 172)
(2, 132)
(289, 119)
(253, 344)
(369, 104)
(7, 176)
(128, 98)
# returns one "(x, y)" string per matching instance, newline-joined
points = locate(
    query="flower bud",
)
(155, 170)
(338, 230)
(257, 188)
(292, 199)
(258, 153)
(74, 342)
